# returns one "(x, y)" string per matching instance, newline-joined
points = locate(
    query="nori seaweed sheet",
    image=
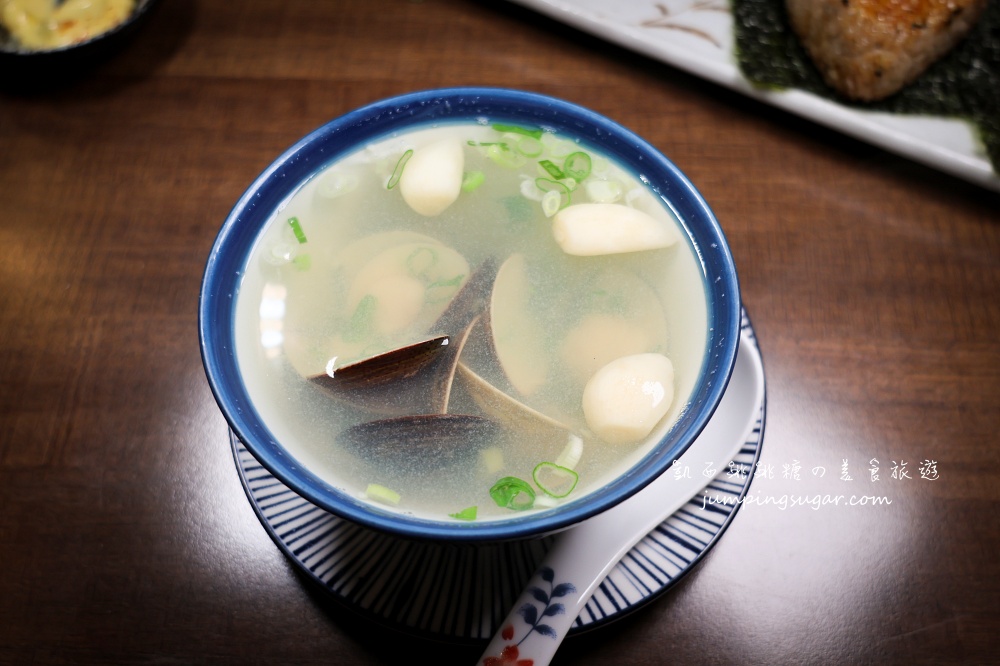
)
(964, 84)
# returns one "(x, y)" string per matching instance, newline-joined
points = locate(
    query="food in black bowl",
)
(47, 42)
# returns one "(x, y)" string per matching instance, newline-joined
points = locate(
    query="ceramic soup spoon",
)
(581, 557)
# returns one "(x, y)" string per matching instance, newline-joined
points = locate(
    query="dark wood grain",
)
(125, 536)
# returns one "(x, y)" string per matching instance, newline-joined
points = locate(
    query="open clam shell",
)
(383, 291)
(606, 313)
(515, 334)
(505, 408)
(424, 441)
(415, 378)
(470, 302)
(417, 375)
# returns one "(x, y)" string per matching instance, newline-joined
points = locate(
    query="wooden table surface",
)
(125, 535)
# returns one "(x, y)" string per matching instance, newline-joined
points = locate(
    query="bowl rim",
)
(379, 119)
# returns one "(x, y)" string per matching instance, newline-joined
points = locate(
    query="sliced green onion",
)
(600, 165)
(505, 157)
(544, 501)
(512, 493)
(450, 282)
(468, 513)
(441, 290)
(551, 203)
(577, 166)
(552, 169)
(529, 190)
(420, 261)
(558, 147)
(515, 129)
(554, 479)
(546, 185)
(570, 455)
(472, 180)
(280, 254)
(569, 183)
(300, 235)
(362, 321)
(604, 191)
(302, 262)
(379, 493)
(397, 173)
(529, 146)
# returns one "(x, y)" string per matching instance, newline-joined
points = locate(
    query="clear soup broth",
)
(348, 269)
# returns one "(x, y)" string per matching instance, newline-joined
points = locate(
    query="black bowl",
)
(22, 67)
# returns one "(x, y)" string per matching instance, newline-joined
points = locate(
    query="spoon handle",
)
(581, 557)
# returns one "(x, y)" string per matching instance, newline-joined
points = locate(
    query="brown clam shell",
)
(425, 440)
(416, 378)
(470, 302)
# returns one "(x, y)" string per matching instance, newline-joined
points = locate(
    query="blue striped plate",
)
(464, 592)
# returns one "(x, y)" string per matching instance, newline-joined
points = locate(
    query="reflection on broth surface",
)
(419, 321)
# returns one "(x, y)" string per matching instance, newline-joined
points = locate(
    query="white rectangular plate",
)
(697, 37)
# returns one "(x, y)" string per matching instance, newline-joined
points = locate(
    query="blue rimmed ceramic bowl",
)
(243, 228)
